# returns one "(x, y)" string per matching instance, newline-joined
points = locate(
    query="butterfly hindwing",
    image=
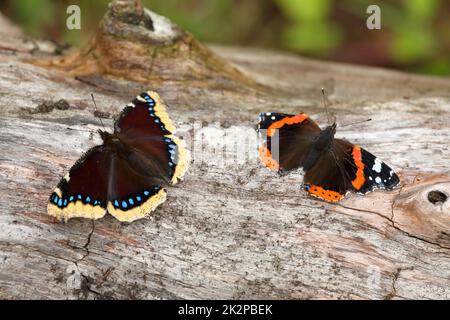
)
(333, 175)
(133, 193)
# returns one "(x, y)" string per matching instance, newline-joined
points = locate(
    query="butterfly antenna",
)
(325, 106)
(96, 110)
(353, 123)
(82, 130)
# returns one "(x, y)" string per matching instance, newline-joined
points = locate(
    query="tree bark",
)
(231, 229)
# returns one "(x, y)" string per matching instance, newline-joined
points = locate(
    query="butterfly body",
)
(114, 144)
(125, 175)
(333, 167)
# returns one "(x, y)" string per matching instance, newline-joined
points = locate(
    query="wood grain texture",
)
(231, 229)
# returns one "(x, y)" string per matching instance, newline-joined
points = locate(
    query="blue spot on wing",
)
(124, 204)
(149, 100)
(131, 201)
(138, 198)
(116, 203)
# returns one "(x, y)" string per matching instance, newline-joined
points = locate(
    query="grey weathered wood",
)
(231, 229)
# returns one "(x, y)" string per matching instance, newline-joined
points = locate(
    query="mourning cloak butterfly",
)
(333, 167)
(126, 175)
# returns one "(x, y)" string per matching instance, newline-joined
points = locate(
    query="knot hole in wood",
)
(437, 197)
(423, 209)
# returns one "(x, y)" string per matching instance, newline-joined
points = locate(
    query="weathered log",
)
(231, 229)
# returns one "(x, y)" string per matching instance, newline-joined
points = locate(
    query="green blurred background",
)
(415, 34)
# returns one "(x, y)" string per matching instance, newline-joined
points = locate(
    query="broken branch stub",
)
(139, 45)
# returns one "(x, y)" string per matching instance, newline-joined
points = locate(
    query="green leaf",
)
(305, 10)
(422, 9)
(312, 37)
(412, 44)
(34, 18)
(439, 67)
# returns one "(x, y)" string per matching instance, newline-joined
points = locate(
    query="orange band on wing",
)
(288, 120)
(327, 195)
(359, 180)
(266, 158)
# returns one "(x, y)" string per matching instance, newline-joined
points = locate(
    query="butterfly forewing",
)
(279, 133)
(145, 115)
(377, 174)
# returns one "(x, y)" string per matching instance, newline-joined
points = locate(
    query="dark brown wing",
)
(83, 191)
(137, 178)
(145, 115)
(285, 139)
(145, 127)
(334, 173)
(133, 192)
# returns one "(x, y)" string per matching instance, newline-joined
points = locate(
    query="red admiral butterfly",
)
(333, 167)
(126, 174)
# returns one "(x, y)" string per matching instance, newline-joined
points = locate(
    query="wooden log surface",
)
(231, 229)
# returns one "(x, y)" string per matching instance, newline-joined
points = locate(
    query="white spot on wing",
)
(377, 165)
(378, 180)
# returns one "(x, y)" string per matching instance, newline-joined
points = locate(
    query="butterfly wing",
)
(285, 139)
(145, 126)
(137, 180)
(377, 174)
(331, 177)
(155, 158)
(145, 115)
(347, 167)
(83, 191)
(133, 194)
